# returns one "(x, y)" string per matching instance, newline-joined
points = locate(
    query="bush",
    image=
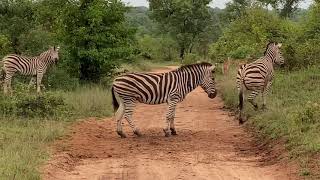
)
(190, 58)
(46, 105)
(26, 104)
(58, 78)
(241, 52)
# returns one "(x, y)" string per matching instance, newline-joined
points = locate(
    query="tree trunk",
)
(182, 51)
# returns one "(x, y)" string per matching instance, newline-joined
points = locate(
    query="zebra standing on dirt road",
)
(35, 66)
(153, 88)
(257, 76)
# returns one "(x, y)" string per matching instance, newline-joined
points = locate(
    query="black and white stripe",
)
(152, 88)
(257, 76)
(34, 66)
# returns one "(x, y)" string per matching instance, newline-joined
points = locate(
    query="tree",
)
(16, 19)
(184, 20)
(286, 8)
(96, 37)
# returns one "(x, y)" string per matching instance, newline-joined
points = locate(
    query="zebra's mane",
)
(193, 65)
(265, 52)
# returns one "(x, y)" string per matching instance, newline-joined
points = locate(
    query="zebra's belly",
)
(28, 73)
(152, 102)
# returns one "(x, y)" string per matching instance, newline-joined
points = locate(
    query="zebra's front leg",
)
(129, 107)
(31, 83)
(170, 119)
(251, 99)
(39, 79)
(7, 84)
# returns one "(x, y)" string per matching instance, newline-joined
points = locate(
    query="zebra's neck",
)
(189, 79)
(270, 56)
(45, 57)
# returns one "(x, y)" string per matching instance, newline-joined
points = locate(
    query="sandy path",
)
(210, 145)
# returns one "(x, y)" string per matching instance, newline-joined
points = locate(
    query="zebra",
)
(34, 66)
(154, 88)
(257, 76)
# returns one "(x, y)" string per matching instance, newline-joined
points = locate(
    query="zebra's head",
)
(273, 51)
(208, 83)
(54, 54)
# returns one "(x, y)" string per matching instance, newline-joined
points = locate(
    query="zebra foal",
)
(257, 76)
(34, 66)
(153, 88)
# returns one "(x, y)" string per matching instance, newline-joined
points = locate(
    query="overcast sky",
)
(215, 3)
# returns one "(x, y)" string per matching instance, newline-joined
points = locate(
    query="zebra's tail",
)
(2, 75)
(114, 101)
(241, 99)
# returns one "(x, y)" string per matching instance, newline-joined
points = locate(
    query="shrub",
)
(241, 52)
(46, 105)
(190, 58)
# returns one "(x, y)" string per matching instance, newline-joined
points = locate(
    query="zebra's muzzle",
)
(212, 95)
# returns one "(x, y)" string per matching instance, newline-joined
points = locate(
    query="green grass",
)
(23, 146)
(293, 112)
(24, 140)
(89, 101)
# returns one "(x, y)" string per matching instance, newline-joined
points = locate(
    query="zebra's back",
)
(149, 88)
(255, 75)
(21, 64)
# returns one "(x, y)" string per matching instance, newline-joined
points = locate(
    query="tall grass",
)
(293, 109)
(89, 101)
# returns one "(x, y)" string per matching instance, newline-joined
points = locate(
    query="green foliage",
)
(253, 31)
(138, 17)
(241, 52)
(191, 59)
(97, 37)
(161, 48)
(25, 105)
(183, 20)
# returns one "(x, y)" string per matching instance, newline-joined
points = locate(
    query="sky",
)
(216, 3)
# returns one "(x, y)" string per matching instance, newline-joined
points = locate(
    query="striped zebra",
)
(257, 76)
(153, 88)
(34, 66)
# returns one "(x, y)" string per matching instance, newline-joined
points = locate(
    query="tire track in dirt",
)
(210, 145)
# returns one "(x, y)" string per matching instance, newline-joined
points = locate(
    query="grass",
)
(293, 112)
(24, 140)
(23, 146)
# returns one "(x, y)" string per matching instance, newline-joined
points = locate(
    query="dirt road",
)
(210, 145)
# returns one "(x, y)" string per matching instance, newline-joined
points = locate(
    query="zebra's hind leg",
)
(251, 99)
(264, 95)
(172, 128)
(118, 117)
(129, 107)
(170, 118)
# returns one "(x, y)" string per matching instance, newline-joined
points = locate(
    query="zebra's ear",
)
(212, 68)
(279, 45)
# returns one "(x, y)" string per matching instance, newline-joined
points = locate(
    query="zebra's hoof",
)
(137, 132)
(121, 134)
(241, 121)
(256, 107)
(173, 132)
(166, 133)
(264, 107)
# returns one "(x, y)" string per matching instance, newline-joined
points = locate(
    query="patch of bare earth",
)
(210, 145)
